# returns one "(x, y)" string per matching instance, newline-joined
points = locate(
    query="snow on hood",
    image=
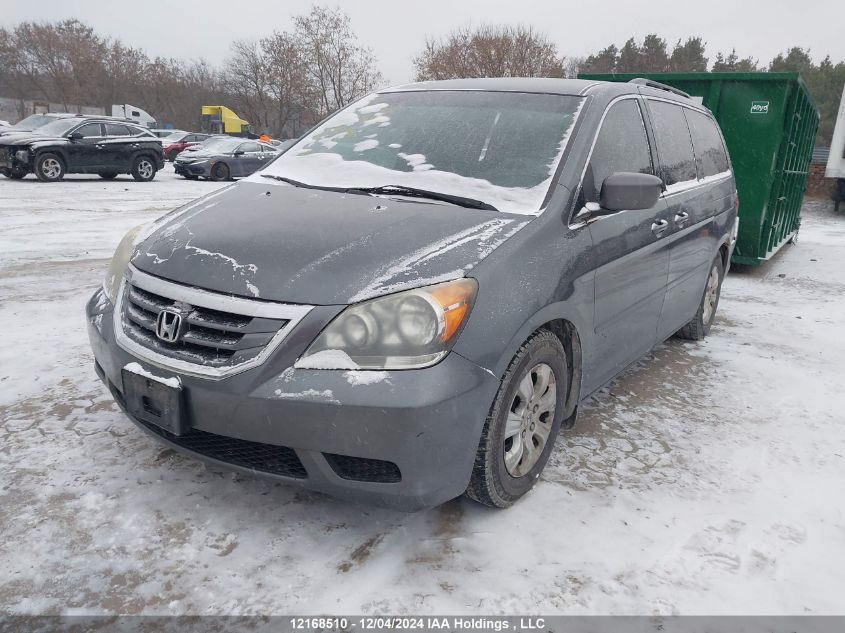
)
(298, 245)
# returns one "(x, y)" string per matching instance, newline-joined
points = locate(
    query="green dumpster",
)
(769, 122)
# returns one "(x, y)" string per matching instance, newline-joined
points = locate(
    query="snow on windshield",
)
(498, 147)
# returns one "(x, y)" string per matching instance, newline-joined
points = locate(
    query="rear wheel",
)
(220, 171)
(109, 176)
(143, 170)
(14, 174)
(700, 325)
(525, 418)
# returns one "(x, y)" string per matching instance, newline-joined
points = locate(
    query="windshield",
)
(501, 148)
(174, 137)
(58, 127)
(219, 144)
(33, 121)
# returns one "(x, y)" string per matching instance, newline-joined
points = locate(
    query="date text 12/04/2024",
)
(410, 623)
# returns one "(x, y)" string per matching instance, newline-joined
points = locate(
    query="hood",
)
(190, 155)
(284, 243)
(25, 138)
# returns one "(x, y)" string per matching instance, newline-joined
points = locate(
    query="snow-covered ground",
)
(708, 479)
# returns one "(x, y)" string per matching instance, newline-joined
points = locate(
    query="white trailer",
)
(128, 111)
(836, 159)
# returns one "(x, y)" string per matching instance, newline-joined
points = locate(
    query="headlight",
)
(405, 330)
(119, 262)
(22, 155)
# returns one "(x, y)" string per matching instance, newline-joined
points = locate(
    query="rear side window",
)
(89, 129)
(710, 156)
(622, 145)
(114, 129)
(674, 146)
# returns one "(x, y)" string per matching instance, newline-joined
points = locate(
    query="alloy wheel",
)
(51, 168)
(145, 169)
(711, 294)
(529, 420)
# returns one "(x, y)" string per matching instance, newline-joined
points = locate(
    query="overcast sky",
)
(396, 30)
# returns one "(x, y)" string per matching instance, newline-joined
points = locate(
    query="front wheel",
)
(49, 168)
(700, 325)
(143, 170)
(525, 418)
(15, 174)
(220, 171)
(109, 176)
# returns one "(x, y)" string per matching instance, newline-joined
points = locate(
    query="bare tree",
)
(338, 68)
(287, 84)
(490, 51)
(246, 80)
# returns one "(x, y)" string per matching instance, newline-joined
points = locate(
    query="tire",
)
(700, 325)
(144, 169)
(49, 168)
(500, 476)
(15, 175)
(220, 171)
(109, 176)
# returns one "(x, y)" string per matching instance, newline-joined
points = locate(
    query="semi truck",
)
(221, 120)
(133, 113)
(836, 159)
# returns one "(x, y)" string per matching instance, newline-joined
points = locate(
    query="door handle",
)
(681, 218)
(98, 146)
(659, 227)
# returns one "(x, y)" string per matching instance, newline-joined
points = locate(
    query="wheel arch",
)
(56, 151)
(568, 329)
(145, 153)
(724, 253)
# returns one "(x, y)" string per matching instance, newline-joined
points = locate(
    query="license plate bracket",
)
(154, 401)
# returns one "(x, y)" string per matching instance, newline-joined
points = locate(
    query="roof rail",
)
(656, 84)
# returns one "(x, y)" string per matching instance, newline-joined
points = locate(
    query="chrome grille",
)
(213, 341)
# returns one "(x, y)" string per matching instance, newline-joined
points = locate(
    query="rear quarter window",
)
(674, 145)
(710, 155)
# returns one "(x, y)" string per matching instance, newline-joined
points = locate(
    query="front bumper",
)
(426, 422)
(192, 169)
(10, 163)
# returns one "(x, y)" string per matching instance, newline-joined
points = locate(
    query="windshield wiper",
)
(304, 185)
(398, 190)
(413, 192)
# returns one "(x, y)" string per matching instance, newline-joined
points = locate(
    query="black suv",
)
(82, 145)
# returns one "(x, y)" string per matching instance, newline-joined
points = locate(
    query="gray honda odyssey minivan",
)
(411, 301)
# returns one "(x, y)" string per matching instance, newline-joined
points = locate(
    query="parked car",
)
(224, 158)
(4, 124)
(82, 145)
(162, 133)
(33, 122)
(177, 142)
(411, 301)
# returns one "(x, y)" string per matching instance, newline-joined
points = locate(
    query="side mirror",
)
(628, 190)
(75, 136)
(238, 152)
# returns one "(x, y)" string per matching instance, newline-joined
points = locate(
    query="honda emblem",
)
(169, 326)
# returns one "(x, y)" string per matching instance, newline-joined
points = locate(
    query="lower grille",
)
(265, 458)
(364, 469)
